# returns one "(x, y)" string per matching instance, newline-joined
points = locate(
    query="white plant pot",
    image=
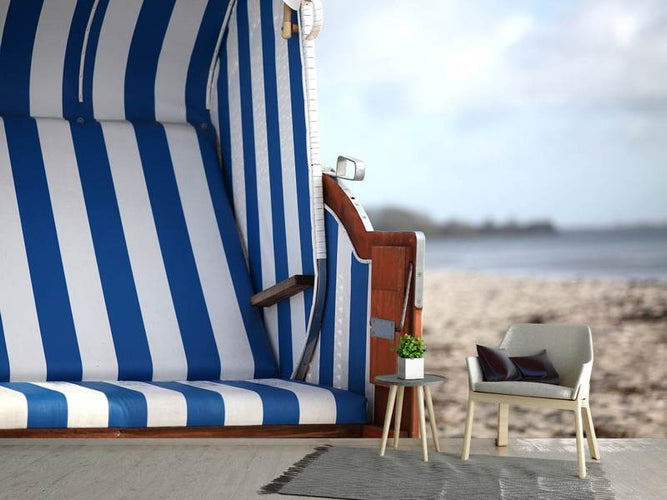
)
(410, 368)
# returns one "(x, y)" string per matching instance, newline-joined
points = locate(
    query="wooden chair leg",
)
(579, 429)
(431, 418)
(422, 421)
(590, 433)
(398, 412)
(468, 432)
(387, 418)
(503, 424)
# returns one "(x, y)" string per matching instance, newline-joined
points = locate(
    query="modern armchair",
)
(570, 349)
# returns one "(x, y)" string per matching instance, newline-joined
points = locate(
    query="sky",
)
(504, 110)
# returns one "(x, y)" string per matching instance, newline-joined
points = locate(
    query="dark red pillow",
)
(536, 368)
(496, 365)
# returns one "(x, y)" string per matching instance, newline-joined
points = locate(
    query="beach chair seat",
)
(123, 404)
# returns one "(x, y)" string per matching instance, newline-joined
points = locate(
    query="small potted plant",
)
(410, 352)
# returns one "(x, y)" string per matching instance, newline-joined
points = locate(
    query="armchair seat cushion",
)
(175, 404)
(530, 389)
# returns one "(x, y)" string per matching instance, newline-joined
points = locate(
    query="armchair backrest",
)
(568, 346)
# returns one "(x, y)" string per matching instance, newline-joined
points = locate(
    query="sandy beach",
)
(629, 323)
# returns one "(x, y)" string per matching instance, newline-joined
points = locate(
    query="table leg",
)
(398, 411)
(422, 420)
(431, 418)
(387, 418)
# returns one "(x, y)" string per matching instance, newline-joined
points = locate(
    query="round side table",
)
(397, 387)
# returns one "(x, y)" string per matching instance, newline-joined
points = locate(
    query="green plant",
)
(410, 347)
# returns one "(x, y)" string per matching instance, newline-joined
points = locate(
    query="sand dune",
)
(629, 323)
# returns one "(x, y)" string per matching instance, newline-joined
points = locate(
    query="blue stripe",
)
(350, 407)
(86, 107)
(72, 60)
(276, 184)
(127, 408)
(4, 358)
(46, 408)
(328, 334)
(113, 261)
(63, 361)
(201, 350)
(204, 407)
(249, 160)
(16, 47)
(358, 326)
(143, 58)
(265, 364)
(280, 405)
(200, 61)
(301, 167)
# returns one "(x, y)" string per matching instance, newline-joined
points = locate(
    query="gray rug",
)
(356, 473)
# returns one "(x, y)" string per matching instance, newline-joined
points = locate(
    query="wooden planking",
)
(256, 431)
(390, 254)
(283, 290)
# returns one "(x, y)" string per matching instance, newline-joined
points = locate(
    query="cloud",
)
(473, 103)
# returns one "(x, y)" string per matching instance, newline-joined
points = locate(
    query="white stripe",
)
(166, 408)
(4, 7)
(264, 207)
(111, 59)
(174, 61)
(212, 72)
(342, 310)
(242, 406)
(212, 266)
(84, 287)
(48, 58)
(17, 303)
(85, 407)
(14, 414)
(84, 47)
(215, 114)
(316, 405)
(313, 375)
(150, 277)
(236, 132)
(292, 230)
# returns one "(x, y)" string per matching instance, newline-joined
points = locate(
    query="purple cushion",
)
(537, 368)
(496, 365)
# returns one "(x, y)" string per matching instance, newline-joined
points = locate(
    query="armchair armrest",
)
(283, 290)
(583, 383)
(474, 372)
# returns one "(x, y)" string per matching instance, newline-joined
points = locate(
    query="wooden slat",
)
(283, 290)
(258, 431)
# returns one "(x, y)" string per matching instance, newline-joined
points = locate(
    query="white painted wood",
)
(468, 432)
(398, 414)
(422, 421)
(431, 418)
(590, 432)
(503, 424)
(387, 418)
(579, 429)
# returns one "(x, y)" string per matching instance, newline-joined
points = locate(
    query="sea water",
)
(630, 254)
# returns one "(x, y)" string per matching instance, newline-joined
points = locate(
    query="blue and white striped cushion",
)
(174, 404)
(258, 112)
(120, 257)
(145, 60)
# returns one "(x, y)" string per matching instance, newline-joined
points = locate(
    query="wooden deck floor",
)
(235, 468)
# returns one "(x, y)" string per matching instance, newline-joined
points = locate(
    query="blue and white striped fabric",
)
(174, 404)
(342, 356)
(120, 258)
(142, 60)
(258, 112)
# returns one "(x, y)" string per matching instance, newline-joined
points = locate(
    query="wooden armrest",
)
(283, 290)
